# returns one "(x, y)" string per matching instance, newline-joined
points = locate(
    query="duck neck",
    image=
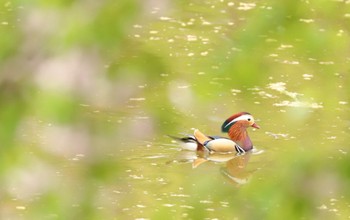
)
(239, 134)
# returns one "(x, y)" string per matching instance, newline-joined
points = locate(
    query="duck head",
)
(236, 127)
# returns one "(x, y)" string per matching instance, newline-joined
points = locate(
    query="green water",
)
(90, 91)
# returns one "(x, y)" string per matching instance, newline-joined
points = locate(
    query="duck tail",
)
(188, 143)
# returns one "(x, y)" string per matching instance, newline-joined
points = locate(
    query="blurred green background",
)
(90, 89)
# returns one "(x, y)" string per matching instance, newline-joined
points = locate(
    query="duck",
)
(237, 141)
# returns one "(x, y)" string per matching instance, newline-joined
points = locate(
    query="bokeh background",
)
(90, 89)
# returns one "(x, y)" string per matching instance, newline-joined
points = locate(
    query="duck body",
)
(216, 143)
(211, 143)
(238, 141)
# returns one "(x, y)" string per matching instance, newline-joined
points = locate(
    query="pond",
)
(92, 94)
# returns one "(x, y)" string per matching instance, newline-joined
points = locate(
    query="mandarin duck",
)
(236, 127)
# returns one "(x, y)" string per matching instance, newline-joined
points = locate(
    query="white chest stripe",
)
(242, 117)
(239, 149)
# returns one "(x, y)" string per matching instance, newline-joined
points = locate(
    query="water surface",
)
(91, 90)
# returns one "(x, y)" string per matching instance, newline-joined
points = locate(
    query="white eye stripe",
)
(242, 117)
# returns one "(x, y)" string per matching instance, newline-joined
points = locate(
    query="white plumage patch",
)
(191, 146)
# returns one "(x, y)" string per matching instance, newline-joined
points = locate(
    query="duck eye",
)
(249, 119)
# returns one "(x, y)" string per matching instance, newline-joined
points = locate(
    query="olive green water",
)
(90, 90)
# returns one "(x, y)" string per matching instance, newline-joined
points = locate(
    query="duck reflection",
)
(235, 165)
(236, 169)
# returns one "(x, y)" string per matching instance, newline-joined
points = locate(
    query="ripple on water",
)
(295, 102)
(298, 104)
(243, 6)
(278, 135)
(307, 76)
